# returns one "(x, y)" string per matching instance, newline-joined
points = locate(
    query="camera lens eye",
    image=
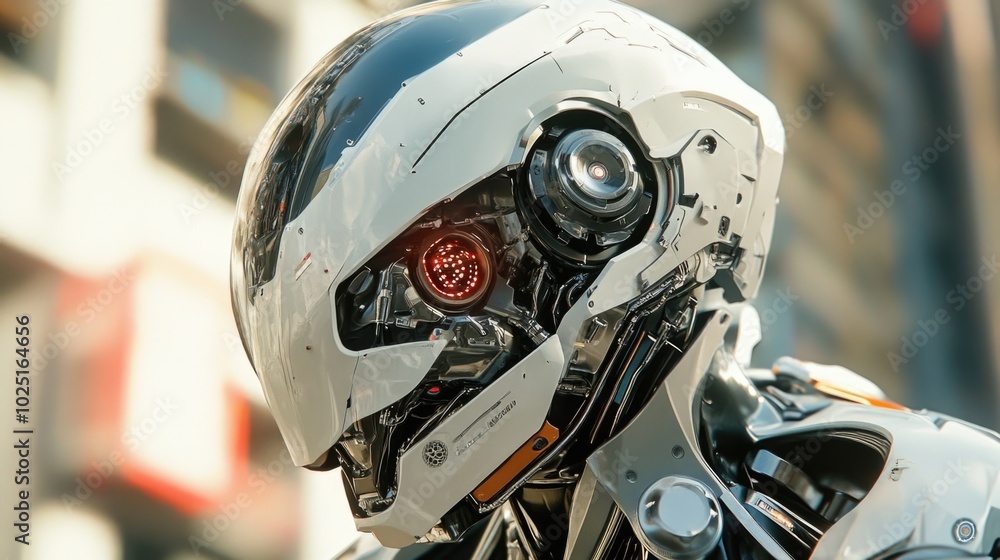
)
(597, 173)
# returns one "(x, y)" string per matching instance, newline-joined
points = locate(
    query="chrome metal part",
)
(680, 518)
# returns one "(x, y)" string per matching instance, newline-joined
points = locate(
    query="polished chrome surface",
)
(597, 172)
(680, 518)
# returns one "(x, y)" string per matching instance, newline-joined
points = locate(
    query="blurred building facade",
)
(125, 129)
(126, 126)
(886, 237)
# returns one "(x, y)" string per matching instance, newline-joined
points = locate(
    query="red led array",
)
(454, 268)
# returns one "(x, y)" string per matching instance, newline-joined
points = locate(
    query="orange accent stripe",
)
(517, 463)
(849, 395)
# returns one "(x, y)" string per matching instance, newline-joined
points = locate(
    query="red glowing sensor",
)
(455, 270)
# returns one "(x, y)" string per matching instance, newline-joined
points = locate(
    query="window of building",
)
(225, 74)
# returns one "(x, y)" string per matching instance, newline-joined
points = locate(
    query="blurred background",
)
(124, 127)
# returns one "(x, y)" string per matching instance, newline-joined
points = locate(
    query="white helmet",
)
(474, 227)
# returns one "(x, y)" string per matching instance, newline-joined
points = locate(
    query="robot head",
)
(476, 230)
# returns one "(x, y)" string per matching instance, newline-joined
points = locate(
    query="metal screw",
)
(964, 531)
(631, 476)
(709, 144)
(677, 452)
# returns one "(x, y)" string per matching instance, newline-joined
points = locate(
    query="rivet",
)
(964, 531)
